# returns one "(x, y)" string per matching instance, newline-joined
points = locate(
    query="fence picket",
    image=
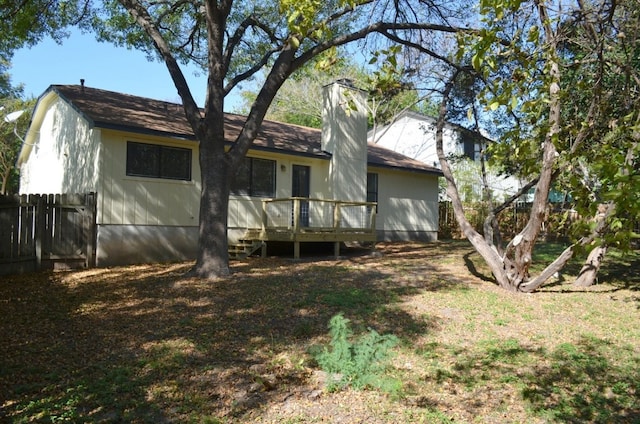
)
(46, 231)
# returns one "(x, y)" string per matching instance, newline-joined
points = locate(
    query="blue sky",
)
(102, 66)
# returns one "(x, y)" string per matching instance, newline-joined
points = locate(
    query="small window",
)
(255, 177)
(372, 187)
(156, 161)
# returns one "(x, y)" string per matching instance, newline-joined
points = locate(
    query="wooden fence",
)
(47, 232)
(512, 220)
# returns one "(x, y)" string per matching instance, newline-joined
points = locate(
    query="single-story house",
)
(141, 159)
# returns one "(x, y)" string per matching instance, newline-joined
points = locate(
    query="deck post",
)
(296, 227)
(264, 217)
(296, 215)
(336, 249)
(372, 218)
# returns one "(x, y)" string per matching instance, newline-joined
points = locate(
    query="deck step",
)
(244, 248)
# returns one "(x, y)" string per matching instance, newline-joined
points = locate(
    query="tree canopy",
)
(299, 101)
(12, 123)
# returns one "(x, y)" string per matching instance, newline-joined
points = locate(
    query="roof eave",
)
(434, 172)
(144, 131)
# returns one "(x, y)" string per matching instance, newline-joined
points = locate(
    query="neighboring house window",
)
(469, 147)
(255, 177)
(372, 188)
(157, 161)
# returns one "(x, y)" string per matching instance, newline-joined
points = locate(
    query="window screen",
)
(156, 161)
(255, 177)
(372, 187)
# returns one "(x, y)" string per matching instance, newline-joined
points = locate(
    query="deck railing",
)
(307, 215)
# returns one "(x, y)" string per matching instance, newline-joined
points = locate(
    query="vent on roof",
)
(82, 85)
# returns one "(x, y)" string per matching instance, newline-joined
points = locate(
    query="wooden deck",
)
(299, 220)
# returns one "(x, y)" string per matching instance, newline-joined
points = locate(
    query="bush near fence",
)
(511, 220)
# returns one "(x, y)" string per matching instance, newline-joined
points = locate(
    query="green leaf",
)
(476, 61)
(514, 103)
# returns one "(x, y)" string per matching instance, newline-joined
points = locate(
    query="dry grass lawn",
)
(145, 344)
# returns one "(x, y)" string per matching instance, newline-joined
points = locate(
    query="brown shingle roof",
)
(108, 109)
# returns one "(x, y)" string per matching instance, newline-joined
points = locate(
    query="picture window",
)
(256, 178)
(158, 161)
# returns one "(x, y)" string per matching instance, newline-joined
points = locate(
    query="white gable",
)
(414, 135)
(62, 151)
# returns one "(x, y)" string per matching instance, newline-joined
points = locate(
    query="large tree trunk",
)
(485, 249)
(518, 255)
(213, 255)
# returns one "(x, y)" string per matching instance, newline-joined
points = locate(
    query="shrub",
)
(361, 364)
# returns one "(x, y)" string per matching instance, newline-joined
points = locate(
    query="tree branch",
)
(236, 38)
(141, 16)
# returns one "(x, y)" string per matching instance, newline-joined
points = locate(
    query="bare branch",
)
(141, 16)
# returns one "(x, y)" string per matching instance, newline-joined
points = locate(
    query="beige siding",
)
(246, 212)
(149, 201)
(407, 202)
(145, 201)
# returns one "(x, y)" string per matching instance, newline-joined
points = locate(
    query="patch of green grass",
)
(492, 360)
(429, 416)
(53, 408)
(583, 383)
(546, 252)
(356, 300)
(507, 351)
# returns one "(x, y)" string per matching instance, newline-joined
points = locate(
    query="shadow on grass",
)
(474, 271)
(145, 344)
(623, 271)
(591, 381)
(581, 384)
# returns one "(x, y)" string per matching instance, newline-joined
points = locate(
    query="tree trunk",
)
(212, 260)
(485, 249)
(589, 271)
(511, 269)
(519, 253)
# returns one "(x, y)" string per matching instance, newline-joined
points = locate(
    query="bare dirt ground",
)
(147, 344)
